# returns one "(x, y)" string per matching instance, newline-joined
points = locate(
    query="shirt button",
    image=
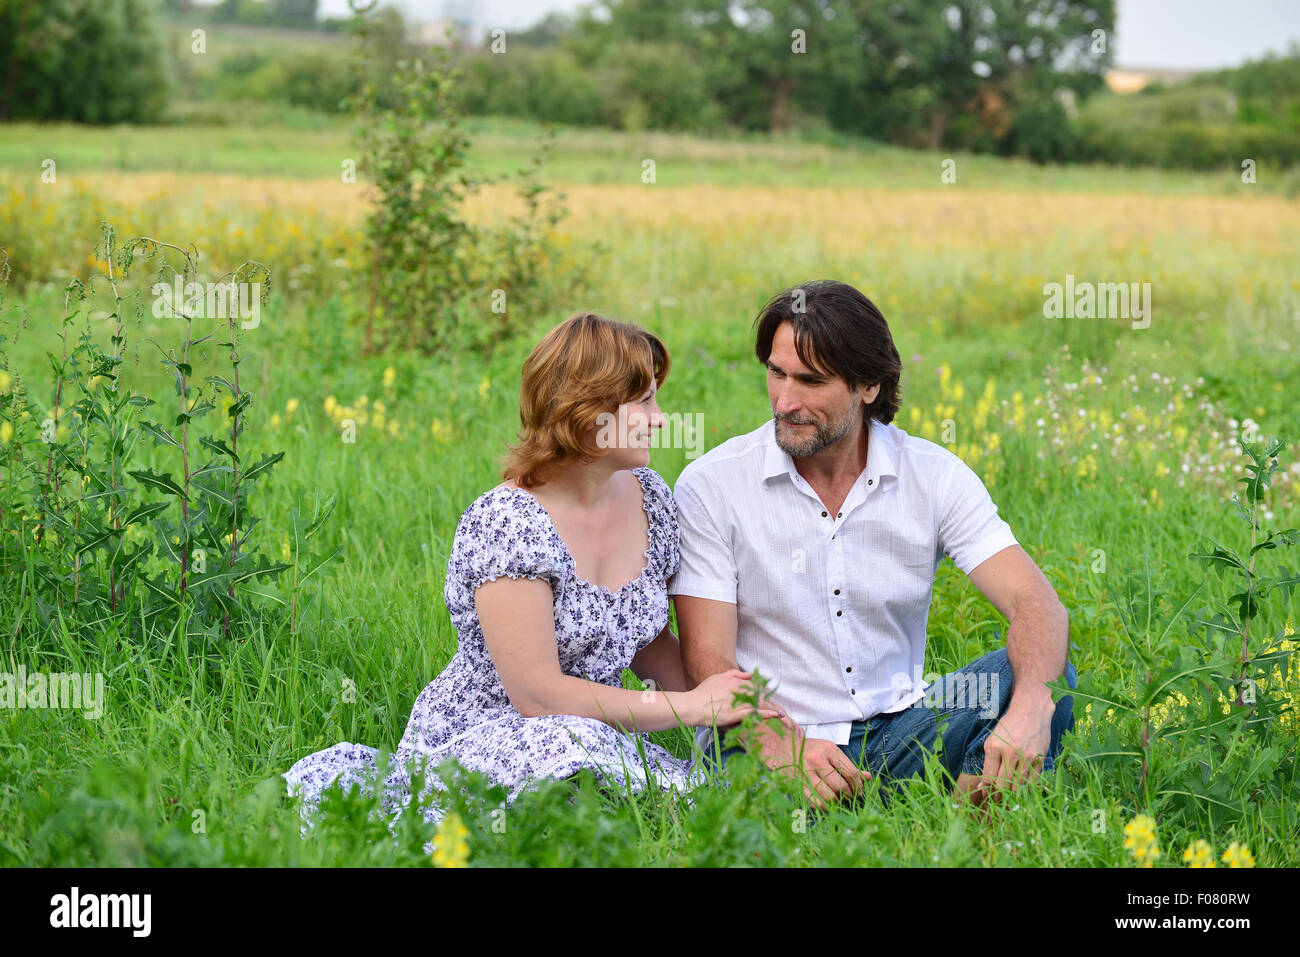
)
(823, 514)
(869, 481)
(853, 691)
(848, 669)
(837, 591)
(838, 613)
(839, 514)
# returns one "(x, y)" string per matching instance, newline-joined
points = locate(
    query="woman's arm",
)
(518, 621)
(661, 662)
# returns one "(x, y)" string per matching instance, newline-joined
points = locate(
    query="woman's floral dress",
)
(465, 712)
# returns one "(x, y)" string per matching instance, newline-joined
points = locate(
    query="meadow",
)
(1111, 450)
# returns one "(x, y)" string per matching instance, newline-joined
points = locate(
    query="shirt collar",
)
(880, 461)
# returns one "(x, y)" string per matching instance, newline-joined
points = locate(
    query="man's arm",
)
(708, 641)
(708, 636)
(1037, 644)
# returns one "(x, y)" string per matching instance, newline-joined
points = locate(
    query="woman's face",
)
(625, 435)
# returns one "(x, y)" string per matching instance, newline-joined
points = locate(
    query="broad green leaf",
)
(159, 481)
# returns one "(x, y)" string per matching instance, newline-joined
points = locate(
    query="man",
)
(808, 552)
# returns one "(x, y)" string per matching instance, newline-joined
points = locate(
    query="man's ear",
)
(869, 394)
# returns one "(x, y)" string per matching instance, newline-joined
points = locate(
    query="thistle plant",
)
(84, 535)
(1203, 732)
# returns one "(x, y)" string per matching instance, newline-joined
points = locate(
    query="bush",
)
(316, 81)
(434, 280)
(548, 85)
(634, 85)
(1041, 131)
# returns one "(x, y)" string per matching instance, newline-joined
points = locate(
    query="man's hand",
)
(826, 774)
(1015, 748)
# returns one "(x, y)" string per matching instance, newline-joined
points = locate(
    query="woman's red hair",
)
(585, 366)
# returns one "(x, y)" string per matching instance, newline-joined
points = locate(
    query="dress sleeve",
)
(500, 535)
(663, 513)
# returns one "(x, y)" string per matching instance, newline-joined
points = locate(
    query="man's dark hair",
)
(840, 331)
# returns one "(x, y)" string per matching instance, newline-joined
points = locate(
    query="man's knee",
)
(997, 666)
(992, 680)
(1065, 707)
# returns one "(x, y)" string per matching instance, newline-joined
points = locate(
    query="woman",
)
(556, 583)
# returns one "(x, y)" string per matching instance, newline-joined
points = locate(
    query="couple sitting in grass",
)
(805, 550)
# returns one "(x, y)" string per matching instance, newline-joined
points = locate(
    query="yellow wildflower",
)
(6, 432)
(1199, 854)
(1140, 840)
(291, 407)
(275, 420)
(5, 381)
(389, 375)
(1238, 855)
(451, 846)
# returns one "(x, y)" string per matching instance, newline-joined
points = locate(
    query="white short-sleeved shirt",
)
(833, 608)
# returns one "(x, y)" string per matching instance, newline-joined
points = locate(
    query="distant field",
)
(317, 149)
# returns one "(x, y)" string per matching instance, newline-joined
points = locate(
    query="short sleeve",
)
(663, 512)
(970, 529)
(503, 534)
(707, 566)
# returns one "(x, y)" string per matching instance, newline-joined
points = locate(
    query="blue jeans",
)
(962, 708)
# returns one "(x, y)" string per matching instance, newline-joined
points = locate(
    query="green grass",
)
(208, 729)
(258, 139)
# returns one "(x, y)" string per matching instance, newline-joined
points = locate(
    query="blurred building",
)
(454, 26)
(1132, 79)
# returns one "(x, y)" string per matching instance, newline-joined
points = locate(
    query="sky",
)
(1174, 34)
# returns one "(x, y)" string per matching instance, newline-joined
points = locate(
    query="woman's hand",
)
(712, 700)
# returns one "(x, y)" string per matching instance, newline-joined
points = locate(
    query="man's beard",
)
(823, 438)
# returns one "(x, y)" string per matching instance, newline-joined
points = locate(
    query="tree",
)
(909, 71)
(88, 61)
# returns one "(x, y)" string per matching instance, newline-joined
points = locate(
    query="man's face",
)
(813, 410)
